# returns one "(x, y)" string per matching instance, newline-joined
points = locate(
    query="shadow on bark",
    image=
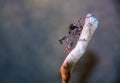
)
(85, 67)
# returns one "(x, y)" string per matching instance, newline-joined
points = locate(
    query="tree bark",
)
(89, 28)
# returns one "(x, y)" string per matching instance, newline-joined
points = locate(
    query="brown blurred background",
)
(29, 48)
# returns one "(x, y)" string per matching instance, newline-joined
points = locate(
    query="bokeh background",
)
(29, 48)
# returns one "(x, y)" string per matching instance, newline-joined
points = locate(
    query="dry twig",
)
(89, 28)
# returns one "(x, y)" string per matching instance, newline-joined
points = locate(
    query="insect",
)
(74, 32)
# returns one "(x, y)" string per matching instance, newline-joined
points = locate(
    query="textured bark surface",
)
(89, 28)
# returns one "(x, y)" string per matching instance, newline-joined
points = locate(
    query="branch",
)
(89, 28)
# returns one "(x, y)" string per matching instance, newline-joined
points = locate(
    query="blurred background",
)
(29, 47)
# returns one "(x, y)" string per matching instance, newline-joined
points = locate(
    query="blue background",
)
(29, 48)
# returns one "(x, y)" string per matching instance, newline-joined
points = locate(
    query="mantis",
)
(74, 32)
